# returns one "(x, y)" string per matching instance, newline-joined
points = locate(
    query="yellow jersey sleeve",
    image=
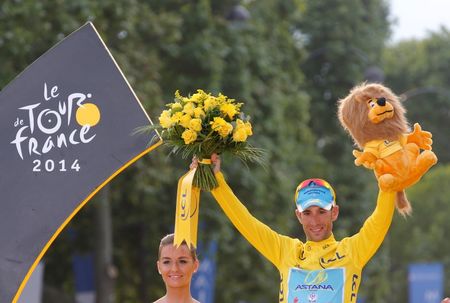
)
(268, 242)
(367, 241)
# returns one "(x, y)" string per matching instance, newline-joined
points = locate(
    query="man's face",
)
(317, 222)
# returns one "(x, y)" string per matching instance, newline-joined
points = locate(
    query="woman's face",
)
(176, 266)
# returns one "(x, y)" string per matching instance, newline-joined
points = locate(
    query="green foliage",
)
(423, 237)
(343, 38)
(418, 70)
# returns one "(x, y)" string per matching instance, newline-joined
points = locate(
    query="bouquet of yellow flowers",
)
(203, 124)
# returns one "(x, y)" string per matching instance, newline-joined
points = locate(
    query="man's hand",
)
(194, 163)
(215, 162)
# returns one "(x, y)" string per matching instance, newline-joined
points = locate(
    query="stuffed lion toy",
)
(375, 118)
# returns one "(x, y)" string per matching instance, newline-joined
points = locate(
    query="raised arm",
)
(262, 237)
(367, 241)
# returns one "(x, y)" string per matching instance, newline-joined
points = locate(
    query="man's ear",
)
(299, 215)
(335, 212)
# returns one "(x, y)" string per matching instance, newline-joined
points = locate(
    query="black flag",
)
(66, 129)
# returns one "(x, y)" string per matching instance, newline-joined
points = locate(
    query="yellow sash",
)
(187, 209)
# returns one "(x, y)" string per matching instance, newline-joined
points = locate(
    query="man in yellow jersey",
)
(322, 269)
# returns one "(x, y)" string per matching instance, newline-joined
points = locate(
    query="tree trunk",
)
(105, 271)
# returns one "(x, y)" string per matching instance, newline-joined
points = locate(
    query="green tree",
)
(417, 71)
(421, 238)
(343, 38)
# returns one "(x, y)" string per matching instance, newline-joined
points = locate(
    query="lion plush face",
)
(372, 112)
(379, 110)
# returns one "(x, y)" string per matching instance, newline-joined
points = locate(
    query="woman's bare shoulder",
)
(163, 300)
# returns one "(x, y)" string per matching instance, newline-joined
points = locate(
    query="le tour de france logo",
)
(59, 121)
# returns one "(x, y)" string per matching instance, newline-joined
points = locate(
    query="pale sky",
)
(416, 17)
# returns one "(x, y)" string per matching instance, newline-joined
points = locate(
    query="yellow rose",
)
(240, 123)
(176, 107)
(210, 103)
(225, 130)
(180, 98)
(189, 108)
(240, 134)
(248, 128)
(178, 95)
(228, 109)
(176, 117)
(221, 99)
(165, 119)
(245, 126)
(217, 123)
(199, 96)
(195, 124)
(199, 113)
(221, 126)
(185, 120)
(189, 136)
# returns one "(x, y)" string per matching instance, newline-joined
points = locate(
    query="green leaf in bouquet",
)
(147, 130)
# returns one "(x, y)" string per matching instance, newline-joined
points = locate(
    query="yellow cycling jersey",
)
(328, 271)
(382, 148)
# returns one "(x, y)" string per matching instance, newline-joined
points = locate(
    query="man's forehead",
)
(315, 207)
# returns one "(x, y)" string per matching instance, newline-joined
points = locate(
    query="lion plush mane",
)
(353, 113)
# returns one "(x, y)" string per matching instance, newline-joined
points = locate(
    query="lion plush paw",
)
(420, 137)
(425, 161)
(368, 160)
